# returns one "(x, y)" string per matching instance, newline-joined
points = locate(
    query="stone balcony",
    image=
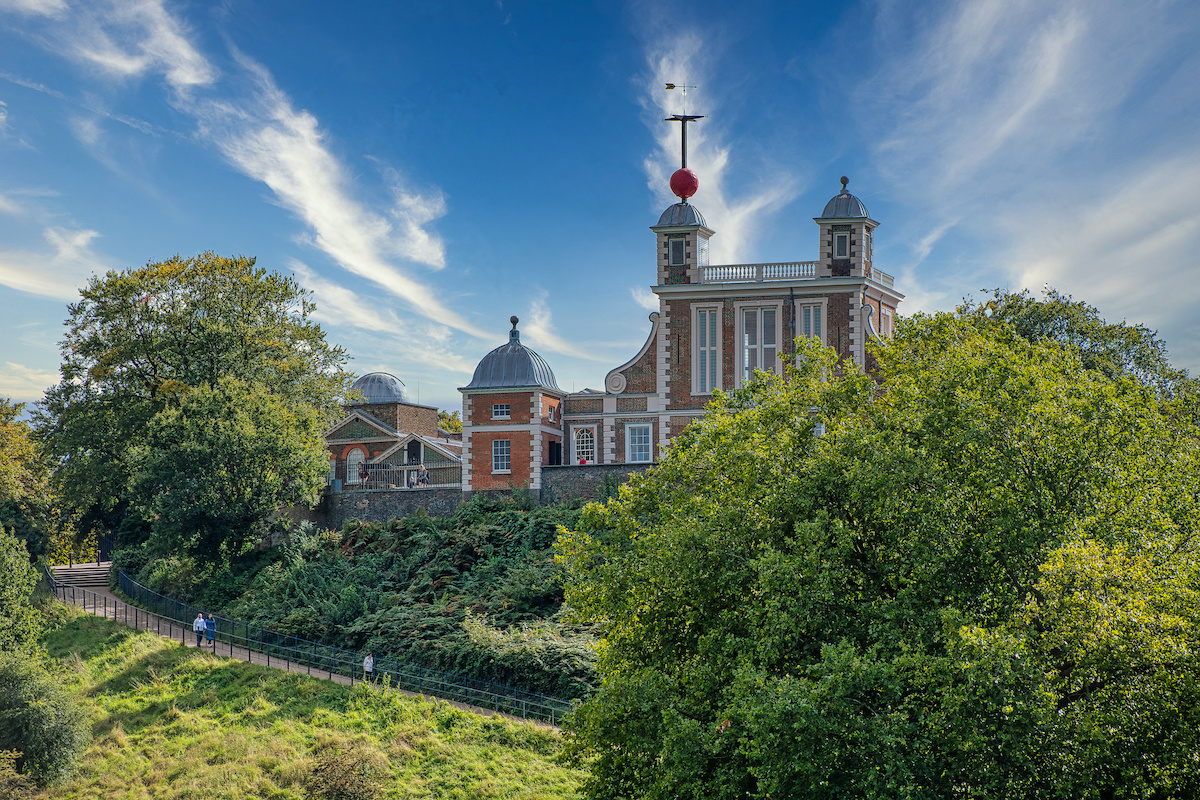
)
(785, 271)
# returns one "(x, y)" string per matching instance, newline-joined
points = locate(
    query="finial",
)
(513, 319)
(845, 180)
(514, 335)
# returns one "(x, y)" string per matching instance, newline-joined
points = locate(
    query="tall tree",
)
(1112, 348)
(19, 627)
(981, 581)
(24, 481)
(162, 340)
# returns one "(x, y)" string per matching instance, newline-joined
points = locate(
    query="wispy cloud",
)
(261, 134)
(684, 58)
(57, 272)
(24, 384)
(644, 298)
(537, 329)
(1035, 130)
(45, 8)
(420, 341)
(1130, 251)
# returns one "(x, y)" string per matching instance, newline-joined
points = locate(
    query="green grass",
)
(173, 722)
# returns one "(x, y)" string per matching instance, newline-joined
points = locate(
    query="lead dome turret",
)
(512, 366)
(381, 387)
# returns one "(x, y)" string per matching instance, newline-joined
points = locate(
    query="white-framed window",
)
(706, 349)
(550, 413)
(501, 410)
(355, 460)
(841, 245)
(638, 449)
(583, 440)
(866, 244)
(810, 320)
(675, 253)
(885, 321)
(501, 455)
(702, 258)
(759, 333)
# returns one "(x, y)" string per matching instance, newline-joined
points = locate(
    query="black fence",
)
(291, 652)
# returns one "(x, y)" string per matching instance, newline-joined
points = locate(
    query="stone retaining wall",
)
(559, 484)
(590, 482)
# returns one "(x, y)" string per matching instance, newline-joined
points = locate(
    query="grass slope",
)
(171, 722)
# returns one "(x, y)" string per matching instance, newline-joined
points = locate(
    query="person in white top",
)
(199, 626)
(369, 668)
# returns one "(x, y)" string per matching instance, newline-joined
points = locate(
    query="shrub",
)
(38, 719)
(13, 785)
(344, 772)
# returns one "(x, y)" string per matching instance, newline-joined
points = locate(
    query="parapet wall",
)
(559, 484)
(592, 482)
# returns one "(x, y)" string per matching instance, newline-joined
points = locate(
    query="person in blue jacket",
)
(210, 631)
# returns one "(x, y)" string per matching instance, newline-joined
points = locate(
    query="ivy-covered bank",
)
(477, 593)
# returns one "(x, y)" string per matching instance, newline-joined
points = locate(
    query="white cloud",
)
(1034, 145)
(1130, 251)
(57, 274)
(24, 384)
(269, 140)
(683, 58)
(537, 330)
(644, 298)
(409, 340)
(263, 136)
(131, 38)
(45, 8)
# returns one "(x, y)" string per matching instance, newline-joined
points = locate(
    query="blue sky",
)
(429, 168)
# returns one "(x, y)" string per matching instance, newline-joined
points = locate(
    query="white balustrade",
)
(747, 273)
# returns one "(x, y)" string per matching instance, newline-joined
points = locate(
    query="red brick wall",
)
(481, 408)
(481, 459)
(631, 404)
(584, 405)
(642, 375)
(418, 419)
(837, 334)
(548, 402)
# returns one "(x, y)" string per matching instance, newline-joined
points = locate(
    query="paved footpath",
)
(103, 603)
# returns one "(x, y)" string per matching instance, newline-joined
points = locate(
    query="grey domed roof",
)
(512, 366)
(381, 387)
(844, 205)
(680, 215)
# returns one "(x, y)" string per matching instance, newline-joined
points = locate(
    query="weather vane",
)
(683, 120)
(684, 182)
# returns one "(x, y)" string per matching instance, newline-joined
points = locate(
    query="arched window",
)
(354, 461)
(585, 446)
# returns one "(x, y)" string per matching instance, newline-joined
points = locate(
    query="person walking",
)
(210, 632)
(369, 668)
(199, 626)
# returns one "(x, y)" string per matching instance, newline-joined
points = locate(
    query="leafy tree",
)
(24, 486)
(39, 720)
(217, 465)
(1112, 348)
(181, 338)
(18, 619)
(450, 421)
(981, 581)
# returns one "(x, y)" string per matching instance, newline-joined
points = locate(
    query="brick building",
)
(715, 325)
(384, 439)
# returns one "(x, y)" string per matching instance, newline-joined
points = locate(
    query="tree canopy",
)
(201, 344)
(982, 580)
